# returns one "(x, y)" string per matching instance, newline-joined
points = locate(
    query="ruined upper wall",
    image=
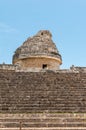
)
(7, 67)
(39, 45)
(17, 68)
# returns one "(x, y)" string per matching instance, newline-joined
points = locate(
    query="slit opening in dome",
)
(42, 33)
(44, 66)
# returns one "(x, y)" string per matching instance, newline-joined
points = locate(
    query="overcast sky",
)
(66, 19)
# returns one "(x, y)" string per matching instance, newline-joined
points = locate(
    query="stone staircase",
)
(42, 101)
(43, 121)
(37, 92)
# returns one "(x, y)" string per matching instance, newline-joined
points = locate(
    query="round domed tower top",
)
(38, 46)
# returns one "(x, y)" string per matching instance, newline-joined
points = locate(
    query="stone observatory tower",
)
(38, 53)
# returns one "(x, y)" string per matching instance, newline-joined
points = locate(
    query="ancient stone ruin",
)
(38, 53)
(35, 94)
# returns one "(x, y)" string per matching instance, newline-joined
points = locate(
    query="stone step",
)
(30, 121)
(43, 121)
(38, 125)
(44, 128)
(49, 120)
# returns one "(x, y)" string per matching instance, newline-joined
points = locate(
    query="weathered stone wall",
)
(36, 64)
(7, 67)
(76, 68)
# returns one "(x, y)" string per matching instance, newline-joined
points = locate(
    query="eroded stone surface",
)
(42, 92)
(39, 47)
